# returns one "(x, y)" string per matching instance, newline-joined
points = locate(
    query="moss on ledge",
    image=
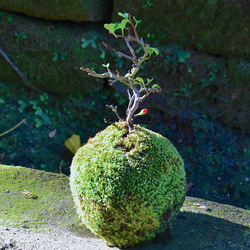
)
(49, 207)
(200, 224)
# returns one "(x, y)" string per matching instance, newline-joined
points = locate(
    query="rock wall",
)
(216, 27)
(49, 54)
(203, 61)
(78, 11)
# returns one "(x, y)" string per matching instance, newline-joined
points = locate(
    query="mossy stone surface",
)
(83, 10)
(201, 224)
(127, 187)
(49, 54)
(35, 199)
(218, 27)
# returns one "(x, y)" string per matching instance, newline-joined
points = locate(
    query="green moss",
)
(95, 10)
(224, 224)
(226, 212)
(47, 209)
(127, 187)
(50, 56)
(195, 24)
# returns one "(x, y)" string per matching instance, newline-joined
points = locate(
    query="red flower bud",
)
(143, 112)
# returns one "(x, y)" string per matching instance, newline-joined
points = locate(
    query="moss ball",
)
(127, 187)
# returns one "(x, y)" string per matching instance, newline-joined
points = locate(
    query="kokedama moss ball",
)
(127, 187)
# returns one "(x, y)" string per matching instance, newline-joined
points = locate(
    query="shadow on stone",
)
(200, 231)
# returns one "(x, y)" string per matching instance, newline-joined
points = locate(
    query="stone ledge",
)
(49, 221)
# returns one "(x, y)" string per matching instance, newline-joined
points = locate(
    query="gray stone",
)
(50, 220)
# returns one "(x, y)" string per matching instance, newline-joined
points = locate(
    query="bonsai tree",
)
(138, 89)
(128, 182)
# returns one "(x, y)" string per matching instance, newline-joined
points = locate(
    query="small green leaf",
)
(122, 25)
(111, 27)
(147, 4)
(156, 86)
(154, 50)
(136, 21)
(150, 80)
(93, 44)
(124, 15)
(140, 80)
(86, 42)
(106, 65)
(213, 76)
(103, 54)
(10, 18)
(204, 82)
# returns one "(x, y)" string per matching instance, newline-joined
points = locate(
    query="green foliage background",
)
(203, 109)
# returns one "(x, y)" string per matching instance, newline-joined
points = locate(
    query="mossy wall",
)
(49, 54)
(79, 11)
(216, 86)
(219, 27)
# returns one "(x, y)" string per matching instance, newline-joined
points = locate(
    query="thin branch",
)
(121, 54)
(129, 96)
(131, 50)
(133, 106)
(114, 109)
(133, 26)
(148, 92)
(109, 122)
(129, 36)
(109, 74)
(103, 75)
(16, 126)
(112, 82)
(117, 72)
(21, 75)
(131, 99)
(142, 90)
